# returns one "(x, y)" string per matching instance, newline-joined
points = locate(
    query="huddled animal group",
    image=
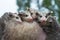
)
(29, 25)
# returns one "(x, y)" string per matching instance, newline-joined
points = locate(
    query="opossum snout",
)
(34, 17)
(19, 21)
(30, 19)
(43, 19)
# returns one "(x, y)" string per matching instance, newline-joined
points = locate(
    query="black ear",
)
(11, 14)
(21, 13)
(50, 13)
(37, 13)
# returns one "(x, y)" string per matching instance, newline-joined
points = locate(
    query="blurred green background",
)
(43, 5)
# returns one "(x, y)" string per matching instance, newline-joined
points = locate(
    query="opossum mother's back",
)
(23, 31)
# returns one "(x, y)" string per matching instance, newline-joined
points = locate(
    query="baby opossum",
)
(54, 29)
(42, 18)
(33, 12)
(26, 16)
(8, 16)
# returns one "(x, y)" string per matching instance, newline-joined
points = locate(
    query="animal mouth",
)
(42, 23)
(30, 20)
(18, 22)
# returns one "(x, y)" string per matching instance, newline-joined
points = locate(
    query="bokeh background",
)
(20, 5)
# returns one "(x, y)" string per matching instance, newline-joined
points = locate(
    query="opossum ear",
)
(6, 13)
(37, 13)
(21, 14)
(28, 9)
(11, 14)
(50, 13)
(15, 13)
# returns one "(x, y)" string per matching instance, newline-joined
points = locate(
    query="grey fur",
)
(8, 16)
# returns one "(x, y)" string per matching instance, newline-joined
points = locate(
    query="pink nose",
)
(43, 19)
(30, 19)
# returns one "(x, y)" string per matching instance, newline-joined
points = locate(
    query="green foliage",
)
(23, 4)
(46, 3)
(59, 16)
(19, 3)
(27, 4)
(58, 3)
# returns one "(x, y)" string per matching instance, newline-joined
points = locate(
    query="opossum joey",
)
(33, 12)
(14, 19)
(42, 17)
(11, 16)
(53, 21)
(26, 16)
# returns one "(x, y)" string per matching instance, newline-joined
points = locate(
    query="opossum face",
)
(26, 16)
(11, 16)
(33, 12)
(51, 19)
(15, 17)
(42, 17)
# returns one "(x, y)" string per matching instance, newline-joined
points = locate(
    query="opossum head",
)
(51, 19)
(11, 16)
(26, 16)
(15, 17)
(33, 12)
(42, 17)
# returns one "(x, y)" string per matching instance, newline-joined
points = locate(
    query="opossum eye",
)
(26, 15)
(40, 16)
(11, 15)
(49, 13)
(31, 13)
(17, 17)
(37, 14)
(46, 16)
